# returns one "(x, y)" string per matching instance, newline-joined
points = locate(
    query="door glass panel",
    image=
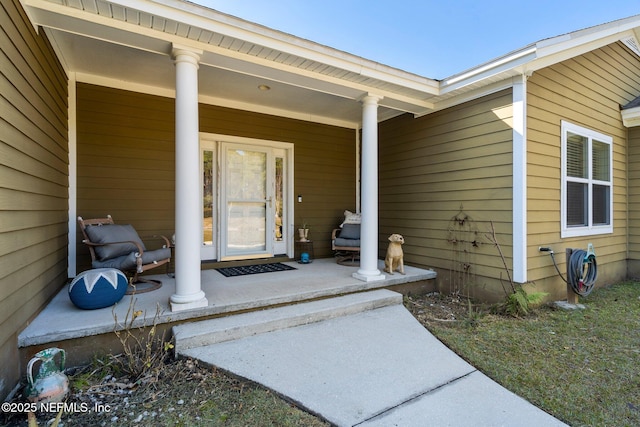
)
(246, 232)
(279, 199)
(207, 197)
(247, 174)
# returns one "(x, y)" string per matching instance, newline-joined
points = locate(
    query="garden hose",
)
(581, 280)
(582, 272)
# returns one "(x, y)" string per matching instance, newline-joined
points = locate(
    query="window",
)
(587, 184)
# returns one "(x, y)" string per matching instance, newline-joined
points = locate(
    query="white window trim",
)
(590, 229)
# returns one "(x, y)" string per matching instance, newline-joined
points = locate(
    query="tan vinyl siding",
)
(33, 180)
(434, 166)
(587, 91)
(126, 164)
(126, 158)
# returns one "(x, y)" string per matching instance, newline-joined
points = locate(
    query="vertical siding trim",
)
(73, 177)
(357, 136)
(520, 179)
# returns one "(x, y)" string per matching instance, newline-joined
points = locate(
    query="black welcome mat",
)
(253, 269)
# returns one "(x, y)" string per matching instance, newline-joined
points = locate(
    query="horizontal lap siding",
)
(126, 161)
(125, 157)
(33, 180)
(587, 91)
(434, 166)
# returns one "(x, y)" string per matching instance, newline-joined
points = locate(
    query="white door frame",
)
(211, 140)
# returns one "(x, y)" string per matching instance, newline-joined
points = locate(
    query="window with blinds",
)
(587, 186)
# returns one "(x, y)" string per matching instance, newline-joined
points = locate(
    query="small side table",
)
(304, 247)
(171, 271)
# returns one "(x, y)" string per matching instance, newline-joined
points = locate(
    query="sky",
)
(434, 39)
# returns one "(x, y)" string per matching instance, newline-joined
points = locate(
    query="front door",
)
(247, 188)
(247, 201)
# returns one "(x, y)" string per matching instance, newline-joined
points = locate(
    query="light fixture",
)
(264, 87)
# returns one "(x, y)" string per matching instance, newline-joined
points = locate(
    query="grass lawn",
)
(581, 366)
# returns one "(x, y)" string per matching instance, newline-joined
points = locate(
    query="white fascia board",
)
(631, 117)
(604, 32)
(469, 95)
(550, 55)
(556, 49)
(98, 27)
(489, 69)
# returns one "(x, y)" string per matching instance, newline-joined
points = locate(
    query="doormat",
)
(253, 269)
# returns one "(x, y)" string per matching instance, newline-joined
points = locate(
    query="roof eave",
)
(545, 53)
(631, 117)
(198, 15)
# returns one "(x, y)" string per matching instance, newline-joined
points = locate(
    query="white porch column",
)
(189, 292)
(369, 182)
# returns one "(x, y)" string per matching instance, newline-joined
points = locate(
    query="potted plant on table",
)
(303, 232)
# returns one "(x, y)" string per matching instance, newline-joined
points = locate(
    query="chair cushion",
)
(128, 261)
(110, 233)
(351, 243)
(156, 256)
(350, 231)
(123, 262)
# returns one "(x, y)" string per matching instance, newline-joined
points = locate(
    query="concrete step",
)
(213, 331)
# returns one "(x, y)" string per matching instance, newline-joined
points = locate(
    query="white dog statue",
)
(394, 259)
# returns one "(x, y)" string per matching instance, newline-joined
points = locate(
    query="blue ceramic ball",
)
(98, 288)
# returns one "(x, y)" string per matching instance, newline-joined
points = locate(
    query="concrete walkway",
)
(357, 360)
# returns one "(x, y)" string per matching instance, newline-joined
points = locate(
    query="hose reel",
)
(582, 269)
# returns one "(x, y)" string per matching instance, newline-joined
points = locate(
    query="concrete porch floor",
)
(322, 278)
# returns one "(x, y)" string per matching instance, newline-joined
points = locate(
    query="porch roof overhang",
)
(128, 43)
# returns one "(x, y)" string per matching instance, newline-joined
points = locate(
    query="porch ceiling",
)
(127, 43)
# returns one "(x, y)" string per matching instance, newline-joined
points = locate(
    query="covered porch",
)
(63, 324)
(136, 127)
